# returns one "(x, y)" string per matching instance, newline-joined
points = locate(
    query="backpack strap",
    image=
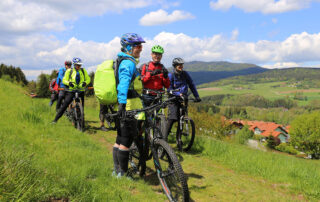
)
(116, 65)
(132, 93)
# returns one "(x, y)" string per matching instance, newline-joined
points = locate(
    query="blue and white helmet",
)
(128, 40)
(77, 61)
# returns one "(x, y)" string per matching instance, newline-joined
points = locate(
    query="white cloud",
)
(235, 34)
(161, 17)
(282, 65)
(264, 6)
(38, 52)
(21, 17)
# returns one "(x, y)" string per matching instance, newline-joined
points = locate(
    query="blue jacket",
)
(61, 73)
(182, 82)
(126, 71)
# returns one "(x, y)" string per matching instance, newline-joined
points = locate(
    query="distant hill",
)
(303, 75)
(197, 66)
(205, 72)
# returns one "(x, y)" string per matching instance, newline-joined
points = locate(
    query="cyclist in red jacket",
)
(154, 75)
(53, 87)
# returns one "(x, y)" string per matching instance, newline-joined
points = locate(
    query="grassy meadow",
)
(270, 90)
(44, 162)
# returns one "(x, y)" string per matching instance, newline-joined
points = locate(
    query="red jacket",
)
(53, 86)
(155, 82)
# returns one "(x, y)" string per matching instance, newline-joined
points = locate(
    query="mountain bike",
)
(168, 168)
(185, 126)
(75, 111)
(158, 116)
(111, 122)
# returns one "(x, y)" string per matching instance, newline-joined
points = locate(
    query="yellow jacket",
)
(84, 77)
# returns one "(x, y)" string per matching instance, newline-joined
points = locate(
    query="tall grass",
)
(299, 175)
(42, 162)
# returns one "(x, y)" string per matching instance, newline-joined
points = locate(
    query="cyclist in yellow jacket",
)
(76, 79)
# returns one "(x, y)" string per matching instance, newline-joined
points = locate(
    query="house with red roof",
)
(266, 129)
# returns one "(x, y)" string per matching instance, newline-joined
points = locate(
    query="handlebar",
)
(88, 88)
(132, 113)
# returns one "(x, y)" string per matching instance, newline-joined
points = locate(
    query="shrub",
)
(284, 147)
(272, 142)
(243, 135)
(305, 134)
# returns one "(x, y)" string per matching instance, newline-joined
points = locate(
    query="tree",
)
(43, 86)
(305, 133)
(243, 135)
(53, 74)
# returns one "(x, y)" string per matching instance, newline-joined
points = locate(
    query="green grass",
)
(39, 161)
(298, 175)
(264, 89)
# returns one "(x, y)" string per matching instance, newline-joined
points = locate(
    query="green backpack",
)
(106, 81)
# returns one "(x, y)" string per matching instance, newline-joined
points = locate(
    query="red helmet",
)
(67, 62)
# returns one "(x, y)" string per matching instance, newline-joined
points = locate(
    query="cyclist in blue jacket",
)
(131, 44)
(180, 81)
(62, 93)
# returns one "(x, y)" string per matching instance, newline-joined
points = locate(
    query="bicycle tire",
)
(170, 173)
(74, 116)
(79, 117)
(188, 138)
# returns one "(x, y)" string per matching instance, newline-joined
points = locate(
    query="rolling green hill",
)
(44, 162)
(301, 84)
(196, 66)
(204, 72)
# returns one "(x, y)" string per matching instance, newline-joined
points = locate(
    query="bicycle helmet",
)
(129, 40)
(67, 62)
(77, 61)
(177, 61)
(157, 49)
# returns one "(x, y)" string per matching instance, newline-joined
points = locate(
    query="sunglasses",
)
(137, 45)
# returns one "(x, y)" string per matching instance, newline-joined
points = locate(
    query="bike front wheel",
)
(79, 119)
(169, 172)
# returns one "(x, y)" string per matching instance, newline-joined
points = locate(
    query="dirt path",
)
(209, 180)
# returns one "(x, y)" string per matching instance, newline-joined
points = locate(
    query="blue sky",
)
(39, 35)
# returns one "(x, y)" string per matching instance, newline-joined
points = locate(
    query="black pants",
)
(61, 96)
(104, 109)
(169, 126)
(68, 99)
(54, 97)
(127, 131)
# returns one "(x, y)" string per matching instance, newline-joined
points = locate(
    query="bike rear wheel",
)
(170, 173)
(187, 135)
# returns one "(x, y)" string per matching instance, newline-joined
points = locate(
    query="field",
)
(44, 162)
(270, 90)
